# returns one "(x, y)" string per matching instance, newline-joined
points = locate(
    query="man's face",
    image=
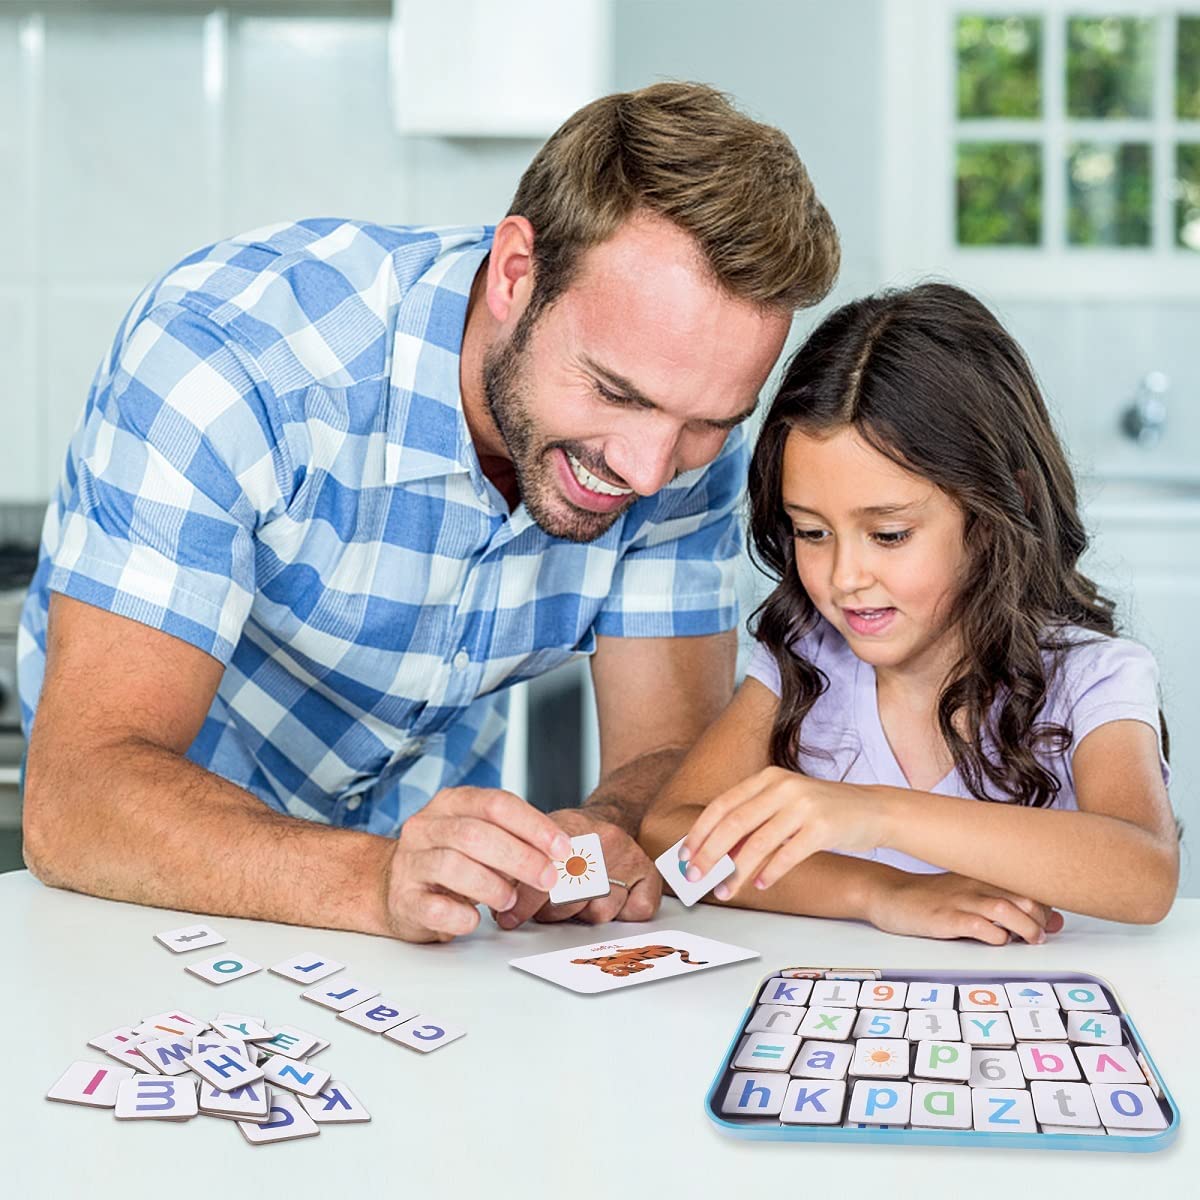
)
(636, 373)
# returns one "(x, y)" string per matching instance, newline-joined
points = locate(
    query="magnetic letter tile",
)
(786, 991)
(241, 1026)
(940, 1023)
(675, 873)
(775, 1018)
(114, 1038)
(190, 937)
(340, 994)
(943, 1060)
(813, 1102)
(880, 1058)
(286, 1120)
(1109, 1064)
(306, 968)
(828, 1024)
(996, 1069)
(986, 1029)
(224, 1069)
(247, 1103)
(223, 968)
(1086, 1130)
(941, 1106)
(128, 1056)
(290, 1042)
(930, 995)
(90, 1083)
(883, 993)
(1034, 994)
(1063, 1103)
(206, 1043)
(1002, 1110)
(379, 1015)
(1094, 1028)
(424, 1033)
(335, 1102)
(1081, 995)
(767, 1052)
(1037, 1024)
(1125, 1106)
(982, 997)
(322, 1044)
(880, 1103)
(167, 1055)
(1048, 1060)
(823, 1060)
(755, 1093)
(298, 1077)
(835, 993)
(881, 1024)
(156, 1099)
(582, 875)
(172, 1024)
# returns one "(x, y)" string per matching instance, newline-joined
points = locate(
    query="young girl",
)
(938, 693)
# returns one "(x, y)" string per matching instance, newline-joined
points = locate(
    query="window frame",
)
(921, 128)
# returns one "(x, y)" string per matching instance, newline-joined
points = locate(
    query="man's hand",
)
(946, 905)
(624, 859)
(468, 846)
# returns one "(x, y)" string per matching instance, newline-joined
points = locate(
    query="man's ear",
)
(510, 270)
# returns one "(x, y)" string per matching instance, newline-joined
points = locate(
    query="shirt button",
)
(352, 805)
(462, 660)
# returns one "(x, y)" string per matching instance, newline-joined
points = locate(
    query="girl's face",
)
(879, 550)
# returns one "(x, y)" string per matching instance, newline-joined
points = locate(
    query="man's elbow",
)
(43, 851)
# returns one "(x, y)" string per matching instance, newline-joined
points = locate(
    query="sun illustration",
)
(579, 868)
(884, 1056)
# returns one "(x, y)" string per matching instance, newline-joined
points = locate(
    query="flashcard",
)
(880, 1058)
(335, 1102)
(675, 873)
(755, 1094)
(90, 1083)
(289, 1041)
(306, 968)
(240, 1026)
(224, 1068)
(340, 995)
(167, 1055)
(223, 968)
(250, 1102)
(582, 875)
(190, 937)
(171, 1025)
(286, 1120)
(813, 1102)
(424, 1033)
(296, 1077)
(127, 1055)
(941, 1106)
(379, 1015)
(626, 962)
(156, 1099)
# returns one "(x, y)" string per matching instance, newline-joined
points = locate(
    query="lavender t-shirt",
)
(1103, 679)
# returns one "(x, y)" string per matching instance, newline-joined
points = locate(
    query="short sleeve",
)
(1110, 679)
(176, 464)
(764, 667)
(677, 575)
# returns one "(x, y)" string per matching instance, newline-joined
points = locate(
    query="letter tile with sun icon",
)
(582, 874)
(886, 1058)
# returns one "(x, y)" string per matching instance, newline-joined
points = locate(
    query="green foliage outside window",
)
(1108, 194)
(1187, 196)
(999, 193)
(999, 59)
(1110, 67)
(1187, 69)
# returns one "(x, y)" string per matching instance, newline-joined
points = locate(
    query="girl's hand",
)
(954, 906)
(774, 820)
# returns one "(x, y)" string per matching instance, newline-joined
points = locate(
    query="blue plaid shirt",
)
(273, 465)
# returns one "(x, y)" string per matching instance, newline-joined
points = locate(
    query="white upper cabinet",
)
(478, 68)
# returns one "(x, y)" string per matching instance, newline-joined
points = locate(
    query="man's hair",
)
(682, 152)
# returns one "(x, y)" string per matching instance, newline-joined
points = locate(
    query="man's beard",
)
(504, 393)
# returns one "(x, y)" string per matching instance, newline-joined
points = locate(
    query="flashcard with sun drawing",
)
(582, 875)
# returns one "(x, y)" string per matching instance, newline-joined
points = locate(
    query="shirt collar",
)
(424, 382)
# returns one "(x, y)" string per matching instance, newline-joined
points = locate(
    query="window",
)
(1039, 147)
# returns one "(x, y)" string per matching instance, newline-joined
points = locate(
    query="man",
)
(338, 485)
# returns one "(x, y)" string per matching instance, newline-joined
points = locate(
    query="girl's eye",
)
(893, 537)
(809, 535)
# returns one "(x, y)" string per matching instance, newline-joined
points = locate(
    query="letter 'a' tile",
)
(335, 1102)
(90, 1083)
(424, 1033)
(286, 1120)
(379, 1014)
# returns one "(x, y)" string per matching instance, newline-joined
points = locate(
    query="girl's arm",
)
(1118, 857)
(733, 749)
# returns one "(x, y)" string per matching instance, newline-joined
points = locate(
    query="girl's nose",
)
(850, 572)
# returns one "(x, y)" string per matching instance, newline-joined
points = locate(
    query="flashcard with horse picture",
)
(626, 962)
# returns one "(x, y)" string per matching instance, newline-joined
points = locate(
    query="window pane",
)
(1187, 196)
(1110, 66)
(999, 187)
(1108, 194)
(1187, 100)
(998, 61)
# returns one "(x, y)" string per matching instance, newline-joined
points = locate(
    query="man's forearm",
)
(623, 796)
(137, 822)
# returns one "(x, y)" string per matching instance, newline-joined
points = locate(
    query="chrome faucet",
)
(1146, 417)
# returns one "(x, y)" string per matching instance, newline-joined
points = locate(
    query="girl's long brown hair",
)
(930, 379)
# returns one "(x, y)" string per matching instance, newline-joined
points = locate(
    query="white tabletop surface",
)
(550, 1094)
